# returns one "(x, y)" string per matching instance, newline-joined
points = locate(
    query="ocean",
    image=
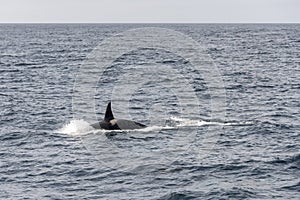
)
(220, 101)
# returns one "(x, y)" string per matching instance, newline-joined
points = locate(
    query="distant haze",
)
(148, 11)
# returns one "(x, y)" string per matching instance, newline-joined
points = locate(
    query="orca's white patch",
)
(113, 122)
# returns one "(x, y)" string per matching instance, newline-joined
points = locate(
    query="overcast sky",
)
(107, 11)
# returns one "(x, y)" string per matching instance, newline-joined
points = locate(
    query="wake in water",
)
(184, 122)
(79, 127)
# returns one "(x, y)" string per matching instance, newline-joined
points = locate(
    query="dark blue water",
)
(188, 151)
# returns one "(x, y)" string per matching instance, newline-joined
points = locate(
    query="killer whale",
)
(111, 123)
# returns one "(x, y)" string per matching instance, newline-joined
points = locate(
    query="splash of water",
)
(76, 127)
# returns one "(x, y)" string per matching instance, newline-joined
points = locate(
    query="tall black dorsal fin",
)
(108, 113)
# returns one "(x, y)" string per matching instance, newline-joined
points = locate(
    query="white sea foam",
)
(76, 127)
(182, 122)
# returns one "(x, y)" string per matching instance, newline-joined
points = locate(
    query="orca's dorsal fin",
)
(108, 113)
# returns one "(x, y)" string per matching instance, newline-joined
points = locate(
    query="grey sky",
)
(194, 11)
